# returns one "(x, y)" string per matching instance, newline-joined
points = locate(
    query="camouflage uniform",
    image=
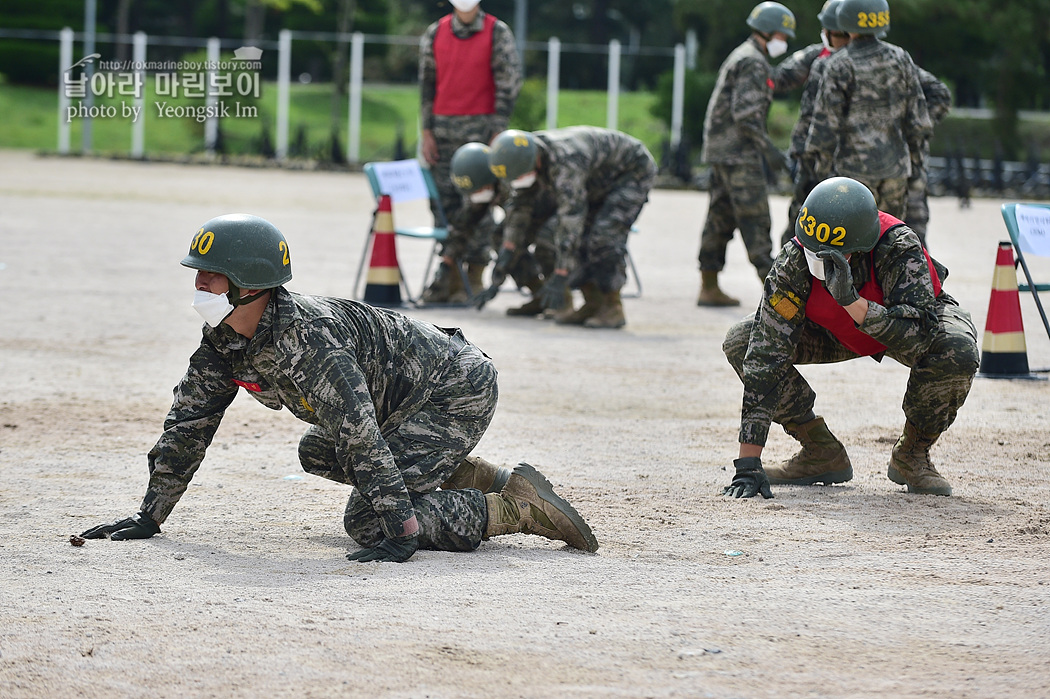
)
(933, 336)
(938, 102)
(534, 239)
(735, 143)
(394, 405)
(805, 178)
(599, 179)
(450, 131)
(869, 120)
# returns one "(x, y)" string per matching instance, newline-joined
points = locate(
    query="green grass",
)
(30, 117)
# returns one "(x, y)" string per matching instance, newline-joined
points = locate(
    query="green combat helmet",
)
(772, 17)
(512, 154)
(864, 17)
(249, 250)
(839, 214)
(828, 16)
(470, 167)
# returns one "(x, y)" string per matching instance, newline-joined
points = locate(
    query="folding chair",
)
(405, 181)
(1029, 228)
(633, 273)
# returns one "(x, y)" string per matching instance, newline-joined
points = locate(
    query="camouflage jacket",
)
(794, 71)
(938, 96)
(579, 166)
(905, 321)
(870, 114)
(355, 370)
(805, 103)
(735, 124)
(506, 66)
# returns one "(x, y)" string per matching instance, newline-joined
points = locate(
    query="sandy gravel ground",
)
(854, 590)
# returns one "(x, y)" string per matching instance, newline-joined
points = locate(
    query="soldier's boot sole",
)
(529, 487)
(475, 472)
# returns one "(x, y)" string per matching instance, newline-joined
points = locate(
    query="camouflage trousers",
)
(937, 387)
(427, 447)
(464, 243)
(891, 195)
(602, 254)
(739, 199)
(918, 215)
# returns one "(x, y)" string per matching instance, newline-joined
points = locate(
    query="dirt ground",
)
(853, 590)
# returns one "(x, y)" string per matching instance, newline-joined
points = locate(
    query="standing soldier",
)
(469, 77)
(735, 144)
(529, 262)
(832, 39)
(600, 180)
(870, 118)
(938, 102)
(394, 406)
(853, 283)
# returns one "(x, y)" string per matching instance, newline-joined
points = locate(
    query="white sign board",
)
(401, 179)
(1033, 229)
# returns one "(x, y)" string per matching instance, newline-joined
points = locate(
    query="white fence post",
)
(138, 55)
(678, 95)
(353, 141)
(65, 59)
(211, 126)
(553, 71)
(284, 69)
(613, 91)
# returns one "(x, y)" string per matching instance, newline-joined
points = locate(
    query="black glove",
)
(837, 277)
(750, 479)
(552, 295)
(139, 526)
(396, 550)
(499, 275)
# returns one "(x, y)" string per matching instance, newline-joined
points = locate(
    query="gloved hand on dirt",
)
(397, 550)
(837, 277)
(499, 275)
(138, 526)
(750, 479)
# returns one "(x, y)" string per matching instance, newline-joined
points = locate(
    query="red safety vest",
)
(825, 311)
(465, 84)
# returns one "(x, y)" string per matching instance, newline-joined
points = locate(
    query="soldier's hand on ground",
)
(488, 294)
(504, 261)
(837, 277)
(552, 295)
(139, 526)
(750, 479)
(388, 550)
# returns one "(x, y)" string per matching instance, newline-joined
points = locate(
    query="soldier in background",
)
(469, 79)
(531, 259)
(600, 180)
(869, 118)
(394, 406)
(854, 282)
(736, 144)
(832, 39)
(938, 103)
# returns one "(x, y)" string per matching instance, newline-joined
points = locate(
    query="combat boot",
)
(910, 463)
(475, 274)
(565, 311)
(475, 472)
(822, 458)
(447, 284)
(529, 505)
(535, 306)
(592, 302)
(610, 315)
(710, 294)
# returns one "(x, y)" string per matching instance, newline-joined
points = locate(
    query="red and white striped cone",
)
(1003, 351)
(383, 283)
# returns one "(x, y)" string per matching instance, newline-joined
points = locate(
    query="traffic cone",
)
(1003, 351)
(383, 283)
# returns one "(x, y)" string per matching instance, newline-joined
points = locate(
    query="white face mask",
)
(776, 47)
(816, 265)
(465, 5)
(213, 308)
(525, 181)
(824, 40)
(482, 196)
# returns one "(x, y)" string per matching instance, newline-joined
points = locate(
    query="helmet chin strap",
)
(235, 298)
